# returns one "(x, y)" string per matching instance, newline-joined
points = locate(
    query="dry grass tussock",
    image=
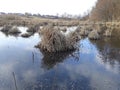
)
(94, 35)
(52, 40)
(33, 28)
(108, 32)
(71, 40)
(83, 30)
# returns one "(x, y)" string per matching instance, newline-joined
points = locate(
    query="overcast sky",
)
(50, 7)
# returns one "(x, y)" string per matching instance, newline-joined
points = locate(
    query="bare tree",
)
(106, 10)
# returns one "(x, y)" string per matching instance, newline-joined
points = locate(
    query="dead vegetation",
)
(52, 40)
(106, 10)
(34, 24)
(103, 29)
(84, 32)
(71, 40)
(33, 28)
(28, 21)
(108, 32)
(94, 35)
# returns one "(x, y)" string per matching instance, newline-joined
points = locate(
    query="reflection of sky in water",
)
(115, 68)
(77, 71)
(70, 29)
(22, 29)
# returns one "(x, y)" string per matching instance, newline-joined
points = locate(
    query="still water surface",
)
(95, 66)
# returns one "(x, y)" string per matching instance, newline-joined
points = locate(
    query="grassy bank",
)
(32, 20)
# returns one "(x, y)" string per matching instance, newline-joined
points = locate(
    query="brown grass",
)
(28, 21)
(72, 39)
(52, 40)
(33, 28)
(94, 35)
(108, 32)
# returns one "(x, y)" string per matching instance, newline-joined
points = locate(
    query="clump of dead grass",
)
(108, 32)
(94, 35)
(33, 28)
(52, 40)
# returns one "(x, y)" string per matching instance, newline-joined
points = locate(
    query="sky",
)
(47, 7)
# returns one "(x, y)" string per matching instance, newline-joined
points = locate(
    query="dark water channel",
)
(95, 66)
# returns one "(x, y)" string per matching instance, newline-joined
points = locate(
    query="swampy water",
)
(95, 66)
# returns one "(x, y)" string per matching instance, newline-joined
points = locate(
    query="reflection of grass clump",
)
(6, 28)
(10, 30)
(26, 35)
(14, 30)
(53, 40)
(49, 60)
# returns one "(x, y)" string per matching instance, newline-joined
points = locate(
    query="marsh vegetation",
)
(55, 53)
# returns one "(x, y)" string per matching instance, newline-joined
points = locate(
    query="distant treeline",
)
(106, 10)
(29, 15)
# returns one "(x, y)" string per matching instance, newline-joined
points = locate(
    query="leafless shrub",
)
(106, 10)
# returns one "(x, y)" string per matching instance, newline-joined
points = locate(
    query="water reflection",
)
(7, 34)
(21, 28)
(49, 60)
(24, 67)
(109, 53)
(58, 75)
